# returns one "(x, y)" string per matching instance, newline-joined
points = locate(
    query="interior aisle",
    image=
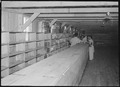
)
(104, 69)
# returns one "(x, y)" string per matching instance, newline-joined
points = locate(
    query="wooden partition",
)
(62, 69)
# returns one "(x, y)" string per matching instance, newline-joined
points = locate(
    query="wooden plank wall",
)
(14, 21)
(11, 21)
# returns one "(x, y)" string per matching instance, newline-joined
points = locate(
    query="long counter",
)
(62, 69)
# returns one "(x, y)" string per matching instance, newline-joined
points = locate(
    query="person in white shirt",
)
(91, 47)
(75, 40)
(84, 39)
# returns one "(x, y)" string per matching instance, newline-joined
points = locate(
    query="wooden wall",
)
(11, 21)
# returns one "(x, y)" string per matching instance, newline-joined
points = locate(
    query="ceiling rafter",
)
(64, 10)
(57, 3)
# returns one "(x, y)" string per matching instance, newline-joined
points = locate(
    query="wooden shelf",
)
(47, 38)
(16, 53)
(4, 44)
(30, 58)
(22, 42)
(17, 63)
(3, 68)
(20, 32)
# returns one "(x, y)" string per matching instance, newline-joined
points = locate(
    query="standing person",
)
(75, 40)
(91, 47)
(84, 40)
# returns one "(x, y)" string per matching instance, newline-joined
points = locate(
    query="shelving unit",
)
(22, 49)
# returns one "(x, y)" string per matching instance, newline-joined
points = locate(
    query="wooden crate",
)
(20, 47)
(20, 37)
(12, 37)
(5, 72)
(5, 50)
(5, 37)
(5, 62)
(32, 36)
(30, 62)
(40, 58)
(40, 44)
(31, 45)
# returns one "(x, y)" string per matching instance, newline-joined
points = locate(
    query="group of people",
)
(84, 39)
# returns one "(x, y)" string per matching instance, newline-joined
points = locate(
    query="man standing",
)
(91, 47)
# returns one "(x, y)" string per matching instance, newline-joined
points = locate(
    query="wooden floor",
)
(103, 70)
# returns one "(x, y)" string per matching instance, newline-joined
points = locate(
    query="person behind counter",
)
(75, 40)
(91, 47)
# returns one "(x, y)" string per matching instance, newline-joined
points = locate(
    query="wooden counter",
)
(62, 69)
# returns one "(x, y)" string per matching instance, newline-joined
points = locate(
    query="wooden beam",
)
(69, 26)
(80, 20)
(55, 3)
(24, 26)
(76, 15)
(114, 18)
(53, 21)
(63, 24)
(65, 10)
